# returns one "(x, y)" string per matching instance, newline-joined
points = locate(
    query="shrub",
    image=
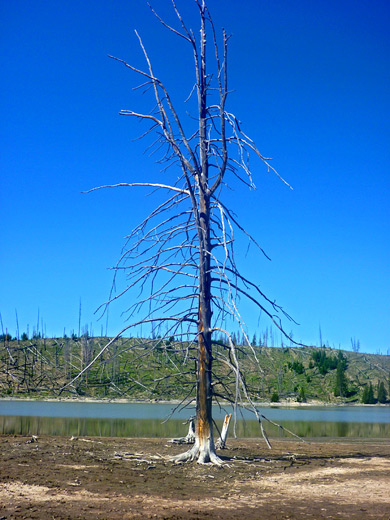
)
(297, 367)
(302, 396)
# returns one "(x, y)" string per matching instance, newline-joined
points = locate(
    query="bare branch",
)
(149, 184)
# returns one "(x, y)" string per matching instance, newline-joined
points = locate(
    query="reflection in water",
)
(338, 429)
(65, 426)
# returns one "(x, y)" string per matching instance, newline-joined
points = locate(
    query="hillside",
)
(153, 369)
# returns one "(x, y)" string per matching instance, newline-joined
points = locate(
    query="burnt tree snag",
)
(181, 256)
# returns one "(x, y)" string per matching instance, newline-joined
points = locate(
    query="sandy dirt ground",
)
(60, 478)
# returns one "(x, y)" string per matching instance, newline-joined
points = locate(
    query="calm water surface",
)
(147, 420)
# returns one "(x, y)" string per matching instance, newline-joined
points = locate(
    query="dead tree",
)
(181, 256)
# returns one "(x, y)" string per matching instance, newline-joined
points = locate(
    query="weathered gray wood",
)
(221, 442)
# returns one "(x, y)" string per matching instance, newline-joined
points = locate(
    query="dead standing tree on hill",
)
(182, 255)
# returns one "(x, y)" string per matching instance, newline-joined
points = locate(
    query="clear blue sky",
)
(312, 89)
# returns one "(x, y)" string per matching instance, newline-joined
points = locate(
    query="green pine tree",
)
(382, 394)
(371, 398)
(368, 395)
(365, 395)
(341, 386)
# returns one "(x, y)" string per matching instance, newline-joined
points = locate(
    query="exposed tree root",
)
(202, 454)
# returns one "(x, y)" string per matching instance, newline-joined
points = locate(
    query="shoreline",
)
(72, 478)
(259, 404)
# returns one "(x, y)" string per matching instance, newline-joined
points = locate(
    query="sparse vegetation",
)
(42, 366)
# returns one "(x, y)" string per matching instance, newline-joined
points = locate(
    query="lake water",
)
(147, 420)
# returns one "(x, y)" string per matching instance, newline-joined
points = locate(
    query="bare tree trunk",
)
(204, 448)
(204, 422)
(190, 437)
(221, 442)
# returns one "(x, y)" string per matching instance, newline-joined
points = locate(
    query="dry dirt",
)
(115, 478)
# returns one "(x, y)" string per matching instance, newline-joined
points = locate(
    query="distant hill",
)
(152, 369)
